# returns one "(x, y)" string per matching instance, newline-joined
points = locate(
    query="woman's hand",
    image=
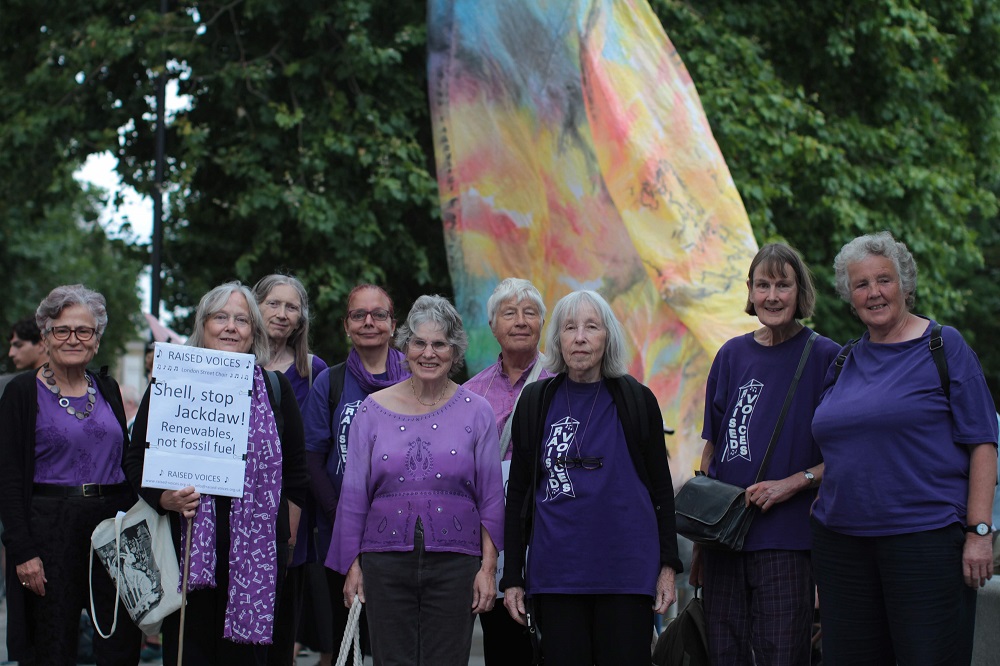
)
(32, 576)
(977, 560)
(184, 501)
(513, 601)
(766, 494)
(666, 592)
(355, 583)
(484, 590)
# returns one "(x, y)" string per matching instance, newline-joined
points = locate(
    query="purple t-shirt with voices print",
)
(71, 451)
(744, 394)
(595, 531)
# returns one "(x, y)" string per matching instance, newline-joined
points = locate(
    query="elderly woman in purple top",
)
(908, 431)
(284, 305)
(590, 492)
(516, 315)
(372, 364)
(239, 546)
(62, 443)
(420, 516)
(759, 602)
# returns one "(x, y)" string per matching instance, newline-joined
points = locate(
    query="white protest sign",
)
(197, 428)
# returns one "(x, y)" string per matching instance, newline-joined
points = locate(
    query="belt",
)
(86, 490)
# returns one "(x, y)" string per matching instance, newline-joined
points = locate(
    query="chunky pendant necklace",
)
(440, 395)
(50, 379)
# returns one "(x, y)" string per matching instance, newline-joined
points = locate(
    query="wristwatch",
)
(982, 529)
(810, 477)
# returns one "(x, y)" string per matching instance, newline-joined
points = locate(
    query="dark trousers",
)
(759, 607)
(894, 599)
(601, 629)
(505, 642)
(286, 618)
(419, 606)
(205, 616)
(62, 529)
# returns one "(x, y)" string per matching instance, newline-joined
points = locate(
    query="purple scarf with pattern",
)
(252, 529)
(395, 371)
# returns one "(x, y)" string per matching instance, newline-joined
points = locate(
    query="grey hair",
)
(66, 296)
(613, 363)
(214, 301)
(881, 244)
(299, 339)
(513, 288)
(439, 311)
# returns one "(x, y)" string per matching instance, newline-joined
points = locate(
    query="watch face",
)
(982, 529)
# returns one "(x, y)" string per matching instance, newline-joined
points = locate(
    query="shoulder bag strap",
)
(788, 403)
(536, 370)
(937, 353)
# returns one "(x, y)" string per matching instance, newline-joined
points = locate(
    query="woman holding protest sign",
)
(284, 305)
(230, 615)
(62, 443)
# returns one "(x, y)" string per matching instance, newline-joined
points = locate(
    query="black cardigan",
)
(18, 414)
(646, 447)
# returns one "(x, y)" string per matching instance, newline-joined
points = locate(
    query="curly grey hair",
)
(881, 244)
(439, 311)
(68, 295)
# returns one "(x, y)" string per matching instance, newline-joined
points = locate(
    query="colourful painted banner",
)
(572, 150)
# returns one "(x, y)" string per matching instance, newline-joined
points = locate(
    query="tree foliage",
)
(306, 148)
(839, 119)
(306, 144)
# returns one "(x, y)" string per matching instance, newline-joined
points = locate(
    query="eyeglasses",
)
(361, 314)
(585, 463)
(222, 319)
(438, 346)
(62, 333)
(290, 308)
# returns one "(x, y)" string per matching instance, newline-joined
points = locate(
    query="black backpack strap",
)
(335, 389)
(845, 351)
(937, 353)
(272, 379)
(273, 388)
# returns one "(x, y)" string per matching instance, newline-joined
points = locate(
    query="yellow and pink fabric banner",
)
(572, 150)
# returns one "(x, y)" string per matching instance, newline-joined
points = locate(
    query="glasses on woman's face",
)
(361, 314)
(438, 346)
(62, 333)
(222, 319)
(585, 463)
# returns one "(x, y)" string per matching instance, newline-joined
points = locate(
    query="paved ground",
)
(309, 659)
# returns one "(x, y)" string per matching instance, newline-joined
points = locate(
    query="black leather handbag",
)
(714, 513)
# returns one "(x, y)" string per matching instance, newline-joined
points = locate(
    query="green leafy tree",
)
(839, 119)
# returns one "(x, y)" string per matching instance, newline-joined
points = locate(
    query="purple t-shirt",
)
(317, 422)
(70, 451)
(442, 467)
(746, 389)
(586, 519)
(896, 449)
(300, 384)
